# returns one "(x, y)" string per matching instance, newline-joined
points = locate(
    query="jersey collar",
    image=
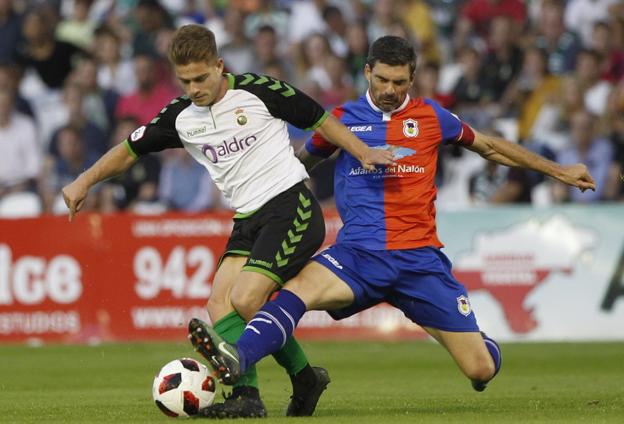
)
(386, 115)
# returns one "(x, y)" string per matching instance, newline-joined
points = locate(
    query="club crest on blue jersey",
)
(463, 306)
(410, 128)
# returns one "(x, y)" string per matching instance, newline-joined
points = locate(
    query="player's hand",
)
(374, 157)
(74, 195)
(578, 176)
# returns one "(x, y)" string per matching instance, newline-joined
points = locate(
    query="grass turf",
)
(371, 383)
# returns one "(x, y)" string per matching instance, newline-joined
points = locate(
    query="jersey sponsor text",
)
(227, 148)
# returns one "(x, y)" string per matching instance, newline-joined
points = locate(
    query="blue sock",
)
(495, 352)
(269, 329)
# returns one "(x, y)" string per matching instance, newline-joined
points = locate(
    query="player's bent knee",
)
(482, 369)
(247, 302)
(217, 308)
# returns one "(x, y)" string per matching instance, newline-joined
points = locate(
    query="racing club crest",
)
(463, 305)
(410, 128)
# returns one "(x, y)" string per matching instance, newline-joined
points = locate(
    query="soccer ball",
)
(183, 387)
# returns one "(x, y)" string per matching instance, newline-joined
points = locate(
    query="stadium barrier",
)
(532, 274)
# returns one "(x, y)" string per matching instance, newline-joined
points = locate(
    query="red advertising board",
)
(129, 277)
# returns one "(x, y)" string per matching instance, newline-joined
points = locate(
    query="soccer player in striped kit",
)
(235, 126)
(388, 249)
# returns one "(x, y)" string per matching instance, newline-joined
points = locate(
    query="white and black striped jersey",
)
(242, 139)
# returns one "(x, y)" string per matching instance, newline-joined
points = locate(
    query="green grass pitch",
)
(371, 383)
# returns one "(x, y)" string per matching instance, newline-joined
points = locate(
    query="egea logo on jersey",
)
(227, 148)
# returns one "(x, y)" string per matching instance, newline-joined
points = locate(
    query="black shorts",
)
(281, 236)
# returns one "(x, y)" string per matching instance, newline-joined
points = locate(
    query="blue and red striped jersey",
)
(393, 206)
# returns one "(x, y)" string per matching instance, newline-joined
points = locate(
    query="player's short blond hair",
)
(192, 43)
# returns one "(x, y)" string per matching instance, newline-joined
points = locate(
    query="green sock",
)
(291, 357)
(230, 327)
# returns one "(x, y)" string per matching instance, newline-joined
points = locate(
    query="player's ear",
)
(220, 65)
(367, 72)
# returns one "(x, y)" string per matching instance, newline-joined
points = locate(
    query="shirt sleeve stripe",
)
(318, 123)
(129, 149)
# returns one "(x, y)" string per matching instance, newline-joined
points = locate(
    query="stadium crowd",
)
(78, 76)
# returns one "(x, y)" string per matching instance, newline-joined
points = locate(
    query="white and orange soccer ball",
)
(183, 387)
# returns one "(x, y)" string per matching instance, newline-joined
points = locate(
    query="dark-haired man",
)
(387, 250)
(235, 126)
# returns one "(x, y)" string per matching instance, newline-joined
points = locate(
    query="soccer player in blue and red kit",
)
(388, 249)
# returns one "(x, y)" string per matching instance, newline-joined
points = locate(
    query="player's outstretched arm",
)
(114, 162)
(336, 133)
(511, 154)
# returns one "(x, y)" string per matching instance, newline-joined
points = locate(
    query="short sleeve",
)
(450, 124)
(318, 146)
(283, 100)
(160, 133)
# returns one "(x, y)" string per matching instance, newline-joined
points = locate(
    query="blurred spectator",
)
(426, 85)
(138, 187)
(417, 16)
(267, 55)
(146, 101)
(98, 103)
(596, 91)
(52, 59)
(151, 17)
(581, 15)
(267, 15)
(238, 53)
(10, 31)
(20, 153)
(165, 74)
(551, 126)
(595, 152)
(336, 30)
(521, 186)
(70, 111)
(504, 59)
(470, 91)
(485, 182)
(9, 80)
(77, 29)
(340, 87)
(312, 75)
(203, 13)
(384, 19)
(185, 185)
(560, 44)
(357, 41)
(455, 166)
(73, 158)
(114, 71)
(534, 87)
(306, 18)
(611, 59)
(476, 15)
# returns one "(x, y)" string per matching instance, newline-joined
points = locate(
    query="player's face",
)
(388, 85)
(202, 82)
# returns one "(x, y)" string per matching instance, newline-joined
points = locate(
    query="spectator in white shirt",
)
(20, 152)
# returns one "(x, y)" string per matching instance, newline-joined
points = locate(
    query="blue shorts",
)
(416, 281)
